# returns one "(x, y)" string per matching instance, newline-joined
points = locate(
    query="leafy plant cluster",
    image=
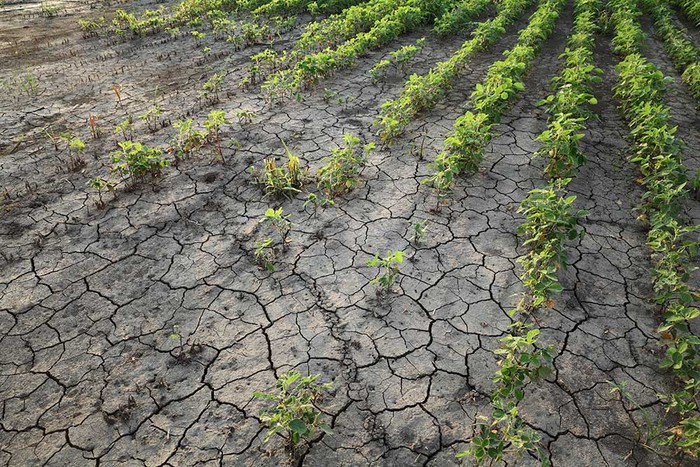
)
(286, 7)
(134, 162)
(457, 18)
(506, 434)
(340, 172)
(399, 58)
(422, 92)
(658, 152)
(279, 181)
(691, 8)
(567, 106)
(316, 66)
(464, 145)
(684, 54)
(550, 221)
(294, 410)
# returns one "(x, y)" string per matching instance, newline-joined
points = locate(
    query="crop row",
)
(550, 221)
(421, 93)
(691, 8)
(658, 152)
(685, 56)
(465, 144)
(344, 39)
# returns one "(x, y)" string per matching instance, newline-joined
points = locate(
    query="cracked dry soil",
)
(89, 296)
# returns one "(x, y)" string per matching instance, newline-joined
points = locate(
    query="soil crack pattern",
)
(350, 232)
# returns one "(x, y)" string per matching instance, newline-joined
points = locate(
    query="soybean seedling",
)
(418, 231)
(279, 222)
(264, 254)
(215, 120)
(100, 184)
(388, 269)
(317, 202)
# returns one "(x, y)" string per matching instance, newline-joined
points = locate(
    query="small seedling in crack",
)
(317, 202)
(652, 431)
(215, 120)
(294, 411)
(29, 84)
(176, 335)
(126, 129)
(345, 101)
(329, 94)
(418, 232)
(53, 137)
(152, 117)
(419, 150)
(264, 254)
(245, 116)
(212, 87)
(100, 184)
(76, 147)
(279, 222)
(388, 269)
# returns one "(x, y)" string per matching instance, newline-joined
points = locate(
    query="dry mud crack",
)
(90, 296)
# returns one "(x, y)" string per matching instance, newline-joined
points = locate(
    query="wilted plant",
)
(117, 89)
(94, 129)
(281, 181)
(388, 269)
(294, 411)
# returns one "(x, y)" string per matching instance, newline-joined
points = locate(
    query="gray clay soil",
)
(89, 295)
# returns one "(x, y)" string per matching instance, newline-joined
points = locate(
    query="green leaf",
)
(298, 426)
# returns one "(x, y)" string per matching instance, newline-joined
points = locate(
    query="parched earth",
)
(91, 296)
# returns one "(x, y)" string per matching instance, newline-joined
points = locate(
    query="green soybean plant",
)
(342, 167)
(134, 161)
(279, 222)
(264, 254)
(213, 124)
(293, 410)
(388, 269)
